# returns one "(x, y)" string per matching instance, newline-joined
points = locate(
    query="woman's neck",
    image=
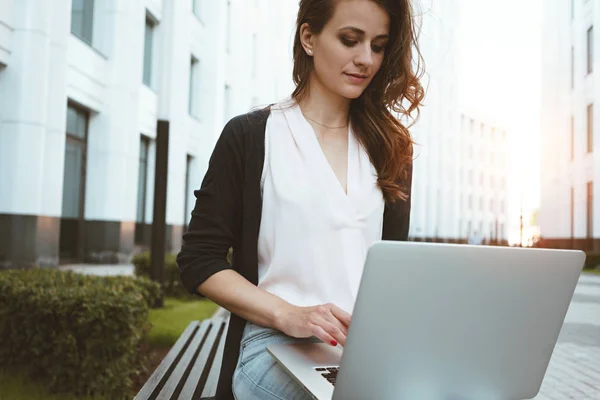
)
(324, 107)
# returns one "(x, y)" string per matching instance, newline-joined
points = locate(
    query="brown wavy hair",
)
(393, 94)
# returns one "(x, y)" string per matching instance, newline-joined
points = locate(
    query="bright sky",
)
(499, 60)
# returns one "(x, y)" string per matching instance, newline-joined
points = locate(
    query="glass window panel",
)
(72, 127)
(72, 180)
(76, 122)
(82, 19)
(148, 44)
(142, 180)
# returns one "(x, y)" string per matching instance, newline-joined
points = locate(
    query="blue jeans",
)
(258, 375)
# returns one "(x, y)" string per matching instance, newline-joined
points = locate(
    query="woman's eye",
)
(348, 42)
(378, 49)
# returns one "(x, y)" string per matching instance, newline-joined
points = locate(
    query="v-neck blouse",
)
(314, 237)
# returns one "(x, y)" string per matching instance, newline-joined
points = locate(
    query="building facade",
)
(85, 87)
(482, 182)
(459, 182)
(569, 139)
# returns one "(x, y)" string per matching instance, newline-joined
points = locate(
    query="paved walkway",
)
(574, 370)
(100, 270)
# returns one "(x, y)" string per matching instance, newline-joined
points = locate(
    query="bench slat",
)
(210, 388)
(201, 363)
(177, 375)
(167, 363)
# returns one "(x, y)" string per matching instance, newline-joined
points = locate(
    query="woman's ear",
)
(307, 38)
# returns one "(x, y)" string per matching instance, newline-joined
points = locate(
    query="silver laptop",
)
(443, 321)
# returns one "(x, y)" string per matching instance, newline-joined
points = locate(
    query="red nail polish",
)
(333, 343)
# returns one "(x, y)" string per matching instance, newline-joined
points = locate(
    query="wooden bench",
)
(190, 370)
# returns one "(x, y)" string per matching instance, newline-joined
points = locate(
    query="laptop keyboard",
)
(329, 373)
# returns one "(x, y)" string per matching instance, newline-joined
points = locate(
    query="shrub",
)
(171, 282)
(76, 333)
(592, 260)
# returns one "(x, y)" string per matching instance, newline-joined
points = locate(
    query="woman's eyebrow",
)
(362, 33)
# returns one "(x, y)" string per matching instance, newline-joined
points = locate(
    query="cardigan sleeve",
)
(216, 218)
(396, 216)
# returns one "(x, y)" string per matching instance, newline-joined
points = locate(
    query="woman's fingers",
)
(323, 335)
(341, 315)
(332, 327)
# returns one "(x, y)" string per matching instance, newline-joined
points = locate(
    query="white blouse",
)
(314, 237)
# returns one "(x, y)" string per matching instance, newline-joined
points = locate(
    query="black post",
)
(157, 248)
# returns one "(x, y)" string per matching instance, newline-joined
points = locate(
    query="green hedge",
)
(592, 260)
(76, 333)
(172, 282)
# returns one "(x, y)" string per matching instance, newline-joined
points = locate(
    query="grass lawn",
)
(595, 271)
(15, 387)
(167, 324)
(170, 321)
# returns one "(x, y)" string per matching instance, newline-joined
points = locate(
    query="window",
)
(470, 202)
(590, 127)
(77, 120)
(197, 7)
(148, 46)
(572, 137)
(194, 89)
(502, 231)
(590, 50)
(73, 199)
(492, 205)
(572, 67)
(76, 123)
(142, 179)
(470, 177)
(572, 9)
(82, 19)
(481, 204)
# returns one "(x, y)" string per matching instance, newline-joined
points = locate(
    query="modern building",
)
(482, 182)
(459, 182)
(87, 86)
(569, 152)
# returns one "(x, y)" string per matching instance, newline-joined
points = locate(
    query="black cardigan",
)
(227, 214)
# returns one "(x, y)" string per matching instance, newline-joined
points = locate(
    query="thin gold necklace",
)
(325, 126)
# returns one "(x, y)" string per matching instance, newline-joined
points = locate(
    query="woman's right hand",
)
(327, 322)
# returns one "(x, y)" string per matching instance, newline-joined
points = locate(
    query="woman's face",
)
(350, 49)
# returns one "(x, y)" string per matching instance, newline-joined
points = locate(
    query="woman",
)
(300, 190)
